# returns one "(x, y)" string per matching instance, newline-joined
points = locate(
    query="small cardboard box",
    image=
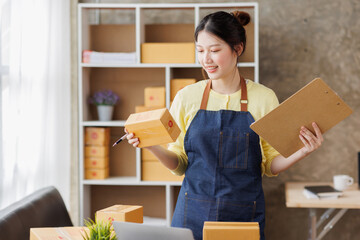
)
(153, 170)
(96, 162)
(231, 231)
(96, 151)
(121, 213)
(74, 233)
(154, 127)
(179, 83)
(96, 173)
(154, 96)
(97, 136)
(168, 52)
(141, 108)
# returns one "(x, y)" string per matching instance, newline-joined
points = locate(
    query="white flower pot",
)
(105, 112)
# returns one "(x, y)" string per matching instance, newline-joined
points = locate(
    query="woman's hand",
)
(311, 142)
(131, 138)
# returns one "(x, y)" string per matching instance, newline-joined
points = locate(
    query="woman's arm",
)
(311, 143)
(166, 157)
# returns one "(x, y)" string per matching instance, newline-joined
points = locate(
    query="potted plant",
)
(99, 230)
(105, 101)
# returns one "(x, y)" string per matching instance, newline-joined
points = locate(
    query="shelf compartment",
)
(152, 198)
(159, 32)
(108, 30)
(128, 83)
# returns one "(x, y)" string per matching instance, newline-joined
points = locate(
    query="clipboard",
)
(316, 102)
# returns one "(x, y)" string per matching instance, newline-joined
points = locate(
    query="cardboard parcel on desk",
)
(316, 102)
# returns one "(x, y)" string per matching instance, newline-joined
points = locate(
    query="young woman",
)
(222, 158)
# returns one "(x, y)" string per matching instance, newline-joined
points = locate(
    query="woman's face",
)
(215, 56)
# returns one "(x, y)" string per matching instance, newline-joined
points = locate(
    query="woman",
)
(222, 158)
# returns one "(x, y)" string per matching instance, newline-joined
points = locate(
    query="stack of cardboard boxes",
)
(97, 142)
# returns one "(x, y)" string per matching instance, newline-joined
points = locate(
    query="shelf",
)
(154, 65)
(167, 5)
(128, 181)
(103, 123)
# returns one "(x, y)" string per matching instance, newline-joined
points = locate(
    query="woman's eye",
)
(216, 50)
(200, 51)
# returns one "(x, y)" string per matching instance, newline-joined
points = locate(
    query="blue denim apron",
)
(223, 179)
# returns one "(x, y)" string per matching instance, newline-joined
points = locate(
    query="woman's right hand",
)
(132, 139)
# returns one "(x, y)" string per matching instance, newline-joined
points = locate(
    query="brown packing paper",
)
(316, 102)
(231, 231)
(154, 127)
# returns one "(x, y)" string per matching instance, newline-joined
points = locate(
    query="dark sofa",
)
(43, 208)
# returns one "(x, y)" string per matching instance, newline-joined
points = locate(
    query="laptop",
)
(138, 231)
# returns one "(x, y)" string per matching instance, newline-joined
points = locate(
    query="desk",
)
(296, 199)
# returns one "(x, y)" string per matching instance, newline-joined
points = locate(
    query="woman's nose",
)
(207, 58)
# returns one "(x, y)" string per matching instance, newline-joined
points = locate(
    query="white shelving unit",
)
(122, 185)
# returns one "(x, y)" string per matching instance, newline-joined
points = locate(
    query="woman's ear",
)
(239, 49)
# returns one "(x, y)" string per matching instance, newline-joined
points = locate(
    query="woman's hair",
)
(227, 26)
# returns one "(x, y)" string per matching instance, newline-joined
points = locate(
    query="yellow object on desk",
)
(74, 233)
(154, 127)
(231, 231)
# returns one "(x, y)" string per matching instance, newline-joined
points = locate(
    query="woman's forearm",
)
(166, 157)
(280, 163)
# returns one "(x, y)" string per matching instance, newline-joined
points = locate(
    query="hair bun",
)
(242, 17)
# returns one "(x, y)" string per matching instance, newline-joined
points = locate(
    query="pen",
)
(120, 139)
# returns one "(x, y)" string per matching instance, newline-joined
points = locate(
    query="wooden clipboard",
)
(316, 102)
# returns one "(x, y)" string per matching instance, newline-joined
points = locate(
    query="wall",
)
(301, 40)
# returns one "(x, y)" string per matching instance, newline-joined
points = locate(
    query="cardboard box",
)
(179, 83)
(74, 233)
(141, 108)
(168, 52)
(121, 213)
(96, 173)
(153, 170)
(231, 231)
(97, 136)
(154, 127)
(96, 162)
(96, 151)
(154, 97)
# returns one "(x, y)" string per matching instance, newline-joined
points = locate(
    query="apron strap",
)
(243, 100)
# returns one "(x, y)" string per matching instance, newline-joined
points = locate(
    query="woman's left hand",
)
(311, 141)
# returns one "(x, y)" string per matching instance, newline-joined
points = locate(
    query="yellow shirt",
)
(187, 101)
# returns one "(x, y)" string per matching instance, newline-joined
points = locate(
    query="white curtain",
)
(36, 101)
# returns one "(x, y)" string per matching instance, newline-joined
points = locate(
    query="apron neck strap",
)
(243, 100)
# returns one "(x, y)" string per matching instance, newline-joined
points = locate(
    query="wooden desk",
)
(296, 199)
